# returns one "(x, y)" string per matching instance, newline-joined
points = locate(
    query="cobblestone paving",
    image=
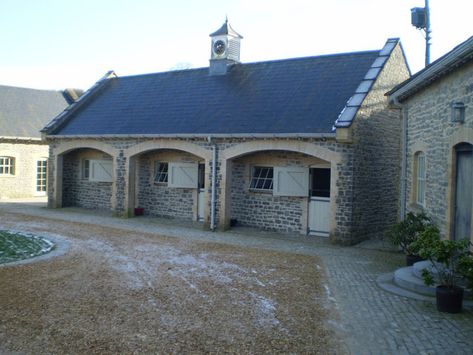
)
(372, 321)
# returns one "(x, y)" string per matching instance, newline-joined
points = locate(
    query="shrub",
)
(404, 233)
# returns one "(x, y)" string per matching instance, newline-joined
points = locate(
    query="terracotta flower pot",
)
(139, 211)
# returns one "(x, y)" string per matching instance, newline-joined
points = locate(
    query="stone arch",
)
(310, 149)
(171, 144)
(57, 169)
(297, 146)
(131, 155)
(91, 144)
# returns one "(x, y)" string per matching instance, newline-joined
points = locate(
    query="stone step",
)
(405, 278)
(410, 278)
(420, 265)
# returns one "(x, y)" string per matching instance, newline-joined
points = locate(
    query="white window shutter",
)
(291, 181)
(101, 171)
(184, 175)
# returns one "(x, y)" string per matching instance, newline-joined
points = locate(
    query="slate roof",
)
(292, 96)
(23, 112)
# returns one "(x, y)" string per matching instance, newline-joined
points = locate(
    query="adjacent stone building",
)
(23, 155)
(303, 145)
(437, 106)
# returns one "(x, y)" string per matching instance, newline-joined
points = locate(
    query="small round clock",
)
(219, 47)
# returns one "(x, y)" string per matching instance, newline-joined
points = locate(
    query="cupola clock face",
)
(219, 47)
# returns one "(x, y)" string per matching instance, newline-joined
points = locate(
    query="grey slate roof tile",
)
(303, 95)
(23, 112)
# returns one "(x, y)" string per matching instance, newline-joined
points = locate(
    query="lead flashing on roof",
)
(346, 117)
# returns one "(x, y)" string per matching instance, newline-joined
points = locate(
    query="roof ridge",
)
(282, 60)
(30, 89)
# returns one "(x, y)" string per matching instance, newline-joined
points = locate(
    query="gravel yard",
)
(116, 291)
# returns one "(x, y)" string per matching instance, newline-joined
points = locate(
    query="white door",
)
(319, 202)
(201, 193)
(41, 177)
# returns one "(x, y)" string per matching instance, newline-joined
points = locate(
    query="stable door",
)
(319, 202)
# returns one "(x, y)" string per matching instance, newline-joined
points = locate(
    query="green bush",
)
(451, 259)
(404, 233)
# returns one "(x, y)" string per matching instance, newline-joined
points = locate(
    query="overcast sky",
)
(54, 44)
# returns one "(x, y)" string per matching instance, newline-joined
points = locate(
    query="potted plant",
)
(404, 233)
(451, 264)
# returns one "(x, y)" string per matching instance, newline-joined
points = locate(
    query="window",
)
(85, 169)
(97, 170)
(161, 172)
(201, 176)
(7, 166)
(262, 178)
(420, 178)
(320, 182)
(41, 175)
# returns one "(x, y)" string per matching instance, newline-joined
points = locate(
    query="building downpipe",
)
(214, 183)
(403, 162)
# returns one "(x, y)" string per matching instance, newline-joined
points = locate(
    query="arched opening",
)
(281, 190)
(87, 179)
(463, 192)
(168, 183)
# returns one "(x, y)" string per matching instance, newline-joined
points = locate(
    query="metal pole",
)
(427, 33)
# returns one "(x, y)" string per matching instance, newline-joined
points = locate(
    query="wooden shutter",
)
(184, 175)
(291, 181)
(101, 171)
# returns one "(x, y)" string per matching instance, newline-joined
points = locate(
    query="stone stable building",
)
(304, 145)
(23, 155)
(437, 108)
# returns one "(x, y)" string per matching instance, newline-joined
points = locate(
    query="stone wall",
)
(158, 199)
(26, 153)
(80, 192)
(262, 209)
(431, 131)
(377, 152)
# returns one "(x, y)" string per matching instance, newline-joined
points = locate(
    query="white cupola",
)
(225, 49)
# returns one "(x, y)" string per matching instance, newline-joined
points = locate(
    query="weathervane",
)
(420, 19)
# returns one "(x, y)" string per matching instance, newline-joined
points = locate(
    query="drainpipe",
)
(214, 180)
(403, 202)
(404, 163)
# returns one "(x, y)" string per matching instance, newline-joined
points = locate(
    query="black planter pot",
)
(412, 259)
(449, 299)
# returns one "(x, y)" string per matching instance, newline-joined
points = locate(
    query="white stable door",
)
(319, 202)
(201, 193)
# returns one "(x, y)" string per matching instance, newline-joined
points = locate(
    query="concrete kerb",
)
(61, 247)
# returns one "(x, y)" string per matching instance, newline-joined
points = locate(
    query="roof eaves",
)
(65, 115)
(441, 67)
(200, 135)
(346, 117)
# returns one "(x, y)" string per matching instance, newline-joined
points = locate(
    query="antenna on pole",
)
(420, 19)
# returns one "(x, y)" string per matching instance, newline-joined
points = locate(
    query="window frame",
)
(41, 175)
(162, 173)
(256, 179)
(85, 169)
(11, 166)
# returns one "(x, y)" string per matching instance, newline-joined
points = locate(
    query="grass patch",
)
(17, 246)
